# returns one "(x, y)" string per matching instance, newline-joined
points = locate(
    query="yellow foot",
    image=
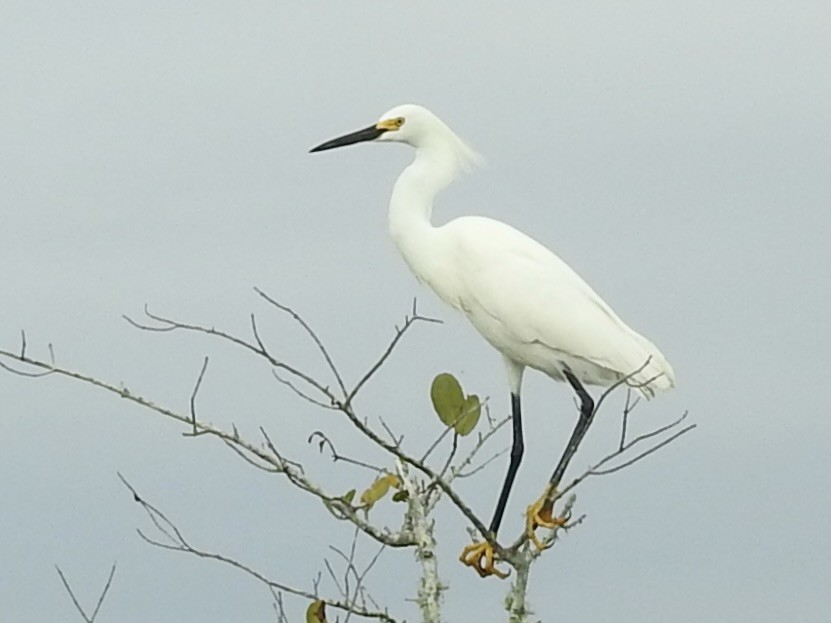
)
(541, 515)
(480, 557)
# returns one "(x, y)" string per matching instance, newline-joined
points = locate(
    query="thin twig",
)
(481, 466)
(336, 506)
(458, 470)
(450, 456)
(178, 542)
(396, 451)
(258, 349)
(452, 427)
(597, 468)
(297, 318)
(622, 381)
(409, 321)
(279, 608)
(396, 441)
(643, 454)
(87, 618)
(193, 395)
(300, 393)
(325, 442)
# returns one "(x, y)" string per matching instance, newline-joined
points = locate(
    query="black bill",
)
(367, 134)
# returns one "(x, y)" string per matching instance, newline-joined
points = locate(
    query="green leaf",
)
(349, 496)
(400, 496)
(452, 406)
(469, 417)
(448, 399)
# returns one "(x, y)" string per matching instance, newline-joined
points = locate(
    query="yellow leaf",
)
(393, 480)
(469, 415)
(376, 491)
(316, 612)
(447, 397)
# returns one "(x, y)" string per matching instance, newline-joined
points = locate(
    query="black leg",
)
(517, 448)
(586, 416)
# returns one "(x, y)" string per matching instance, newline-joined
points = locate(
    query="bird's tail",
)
(654, 374)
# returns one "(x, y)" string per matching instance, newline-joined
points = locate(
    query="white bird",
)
(523, 299)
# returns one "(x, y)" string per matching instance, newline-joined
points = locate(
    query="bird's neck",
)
(411, 205)
(425, 248)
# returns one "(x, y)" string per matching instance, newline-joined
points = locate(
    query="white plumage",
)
(523, 299)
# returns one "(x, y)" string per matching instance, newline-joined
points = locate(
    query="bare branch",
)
(458, 470)
(300, 393)
(598, 468)
(283, 461)
(436, 442)
(245, 457)
(33, 375)
(343, 593)
(279, 609)
(22, 357)
(335, 505)
(627, 409)
(625, 380)
(409, 321)
(450, 456)
(325, 442)
(193, 395)
(596, 471)
(358, 593)
(397, 441)
(643, 454)
(574, 443)
(258, 348)
(297, 318)
(396, 451)
(423, 492)
(91, 617)
(657, 431)
(451, 428)
(481, 466)
(178, 542)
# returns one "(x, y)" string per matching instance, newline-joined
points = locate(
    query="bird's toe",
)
(540, 514)
(480, 556)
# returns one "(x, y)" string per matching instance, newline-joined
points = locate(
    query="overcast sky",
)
(677, 155)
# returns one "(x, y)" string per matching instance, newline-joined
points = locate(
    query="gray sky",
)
(676, 155)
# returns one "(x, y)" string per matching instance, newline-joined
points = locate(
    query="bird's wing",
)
(531, 296)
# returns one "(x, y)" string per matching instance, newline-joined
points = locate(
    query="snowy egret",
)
(522, 298)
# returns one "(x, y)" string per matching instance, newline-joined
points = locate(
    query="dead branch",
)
(409, 321)
(277, 604)
(357, 592)
(196, 391)
(422, 494)
(311, 333)
(325, 443)
(263, 457)
(622, 451)
(176, 541)
(88, 618)
(258, 348)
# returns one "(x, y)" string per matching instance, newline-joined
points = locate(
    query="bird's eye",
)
(399, 121)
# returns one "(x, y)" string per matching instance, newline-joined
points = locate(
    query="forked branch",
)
(88, 618)
(172, 538)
